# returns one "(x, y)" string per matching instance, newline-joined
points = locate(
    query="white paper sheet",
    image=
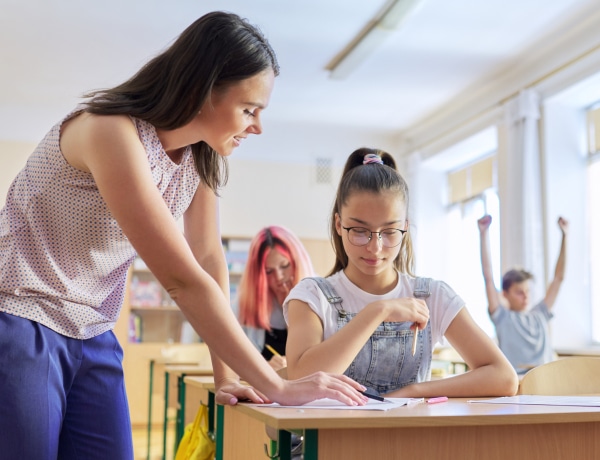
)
(591, 401)
(389, 403)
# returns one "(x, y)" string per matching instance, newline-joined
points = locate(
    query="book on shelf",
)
(144, 293)
(135, 328)
(236, 252)
(236, 261)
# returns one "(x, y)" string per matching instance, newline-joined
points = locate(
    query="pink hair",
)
(254, 296)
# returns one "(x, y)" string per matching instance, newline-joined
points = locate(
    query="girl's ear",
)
(338, 224)
(406, 224)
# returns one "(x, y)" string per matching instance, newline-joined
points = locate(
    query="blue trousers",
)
(61, 398)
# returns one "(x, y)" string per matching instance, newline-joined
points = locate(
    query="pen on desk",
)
(437, 400)
(271, 349)
(372, 396)
(414, 346)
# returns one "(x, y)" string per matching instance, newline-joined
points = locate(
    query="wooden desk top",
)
(173, 361)
(204, 382)
(588, 351)
(196, 369)
(455, 412)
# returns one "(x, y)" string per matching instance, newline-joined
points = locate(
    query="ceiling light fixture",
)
(374, 32)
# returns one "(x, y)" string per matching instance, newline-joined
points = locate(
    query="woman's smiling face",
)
(232, 113)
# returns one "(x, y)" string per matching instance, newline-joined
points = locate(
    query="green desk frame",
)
(149, 427)
(280, 449)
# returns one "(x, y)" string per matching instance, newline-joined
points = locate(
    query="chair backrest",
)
(577, 375)
(283, 373)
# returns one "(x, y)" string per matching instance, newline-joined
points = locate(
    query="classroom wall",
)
(13, 155)
(264, 188)
(282, 189)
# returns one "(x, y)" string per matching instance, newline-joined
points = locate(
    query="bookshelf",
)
(236, 253)
(152, 328)
(153, 316)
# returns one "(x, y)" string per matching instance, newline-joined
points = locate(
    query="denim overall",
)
(385, 363)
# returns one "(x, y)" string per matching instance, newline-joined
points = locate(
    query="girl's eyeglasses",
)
(389, 237)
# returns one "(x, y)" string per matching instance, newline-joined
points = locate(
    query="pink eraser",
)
(437, 400)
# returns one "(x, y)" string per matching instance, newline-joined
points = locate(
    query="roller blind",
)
(593, 122)
(471, 180)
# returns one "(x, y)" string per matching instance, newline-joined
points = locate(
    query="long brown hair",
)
(216, 50)
(374, 178)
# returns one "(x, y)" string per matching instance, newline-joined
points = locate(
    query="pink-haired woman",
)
(277, 260)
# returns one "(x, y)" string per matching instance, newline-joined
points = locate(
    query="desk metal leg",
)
(165, 418)
(211, 413)
(219, 430)
(180, 419)
(284, 445)
(311, 444)
(150, 409)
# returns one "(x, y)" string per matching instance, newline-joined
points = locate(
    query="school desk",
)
(179, 371)
(153, 362)
(452, 430)
(251, 438)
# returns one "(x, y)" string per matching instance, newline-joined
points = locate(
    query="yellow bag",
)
(197, 443)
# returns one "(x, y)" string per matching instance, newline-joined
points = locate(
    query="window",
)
(472, 180)
(593, 203)
(594, 222)
(593, 129)
(454, 188)
(466, 278)
(472, 194)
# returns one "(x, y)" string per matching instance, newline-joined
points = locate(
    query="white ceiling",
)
(54, 50)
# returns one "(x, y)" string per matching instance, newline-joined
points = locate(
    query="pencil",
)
(272, 350)
(414, 347)
(372, 396)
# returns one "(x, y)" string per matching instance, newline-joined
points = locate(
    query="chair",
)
(578, 375)
(282, 373)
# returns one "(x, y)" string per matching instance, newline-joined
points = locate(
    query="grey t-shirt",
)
(524, 337)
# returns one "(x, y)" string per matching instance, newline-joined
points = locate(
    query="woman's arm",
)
(201, 230)
(490, 372)
(307, 352)
(108, 147)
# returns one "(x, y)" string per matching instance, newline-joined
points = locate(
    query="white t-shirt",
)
(443, 303)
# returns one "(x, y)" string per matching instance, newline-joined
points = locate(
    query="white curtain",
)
(519, 187)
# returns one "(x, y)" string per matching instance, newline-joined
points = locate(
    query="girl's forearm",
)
(491, 380)
(337, 352)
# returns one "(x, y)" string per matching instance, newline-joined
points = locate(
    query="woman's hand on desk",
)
(230, 391)
(321, 385)
(294, 392)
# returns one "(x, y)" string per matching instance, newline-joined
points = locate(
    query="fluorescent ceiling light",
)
(369, 38)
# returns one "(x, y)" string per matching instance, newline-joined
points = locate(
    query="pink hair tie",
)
(372, 158)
